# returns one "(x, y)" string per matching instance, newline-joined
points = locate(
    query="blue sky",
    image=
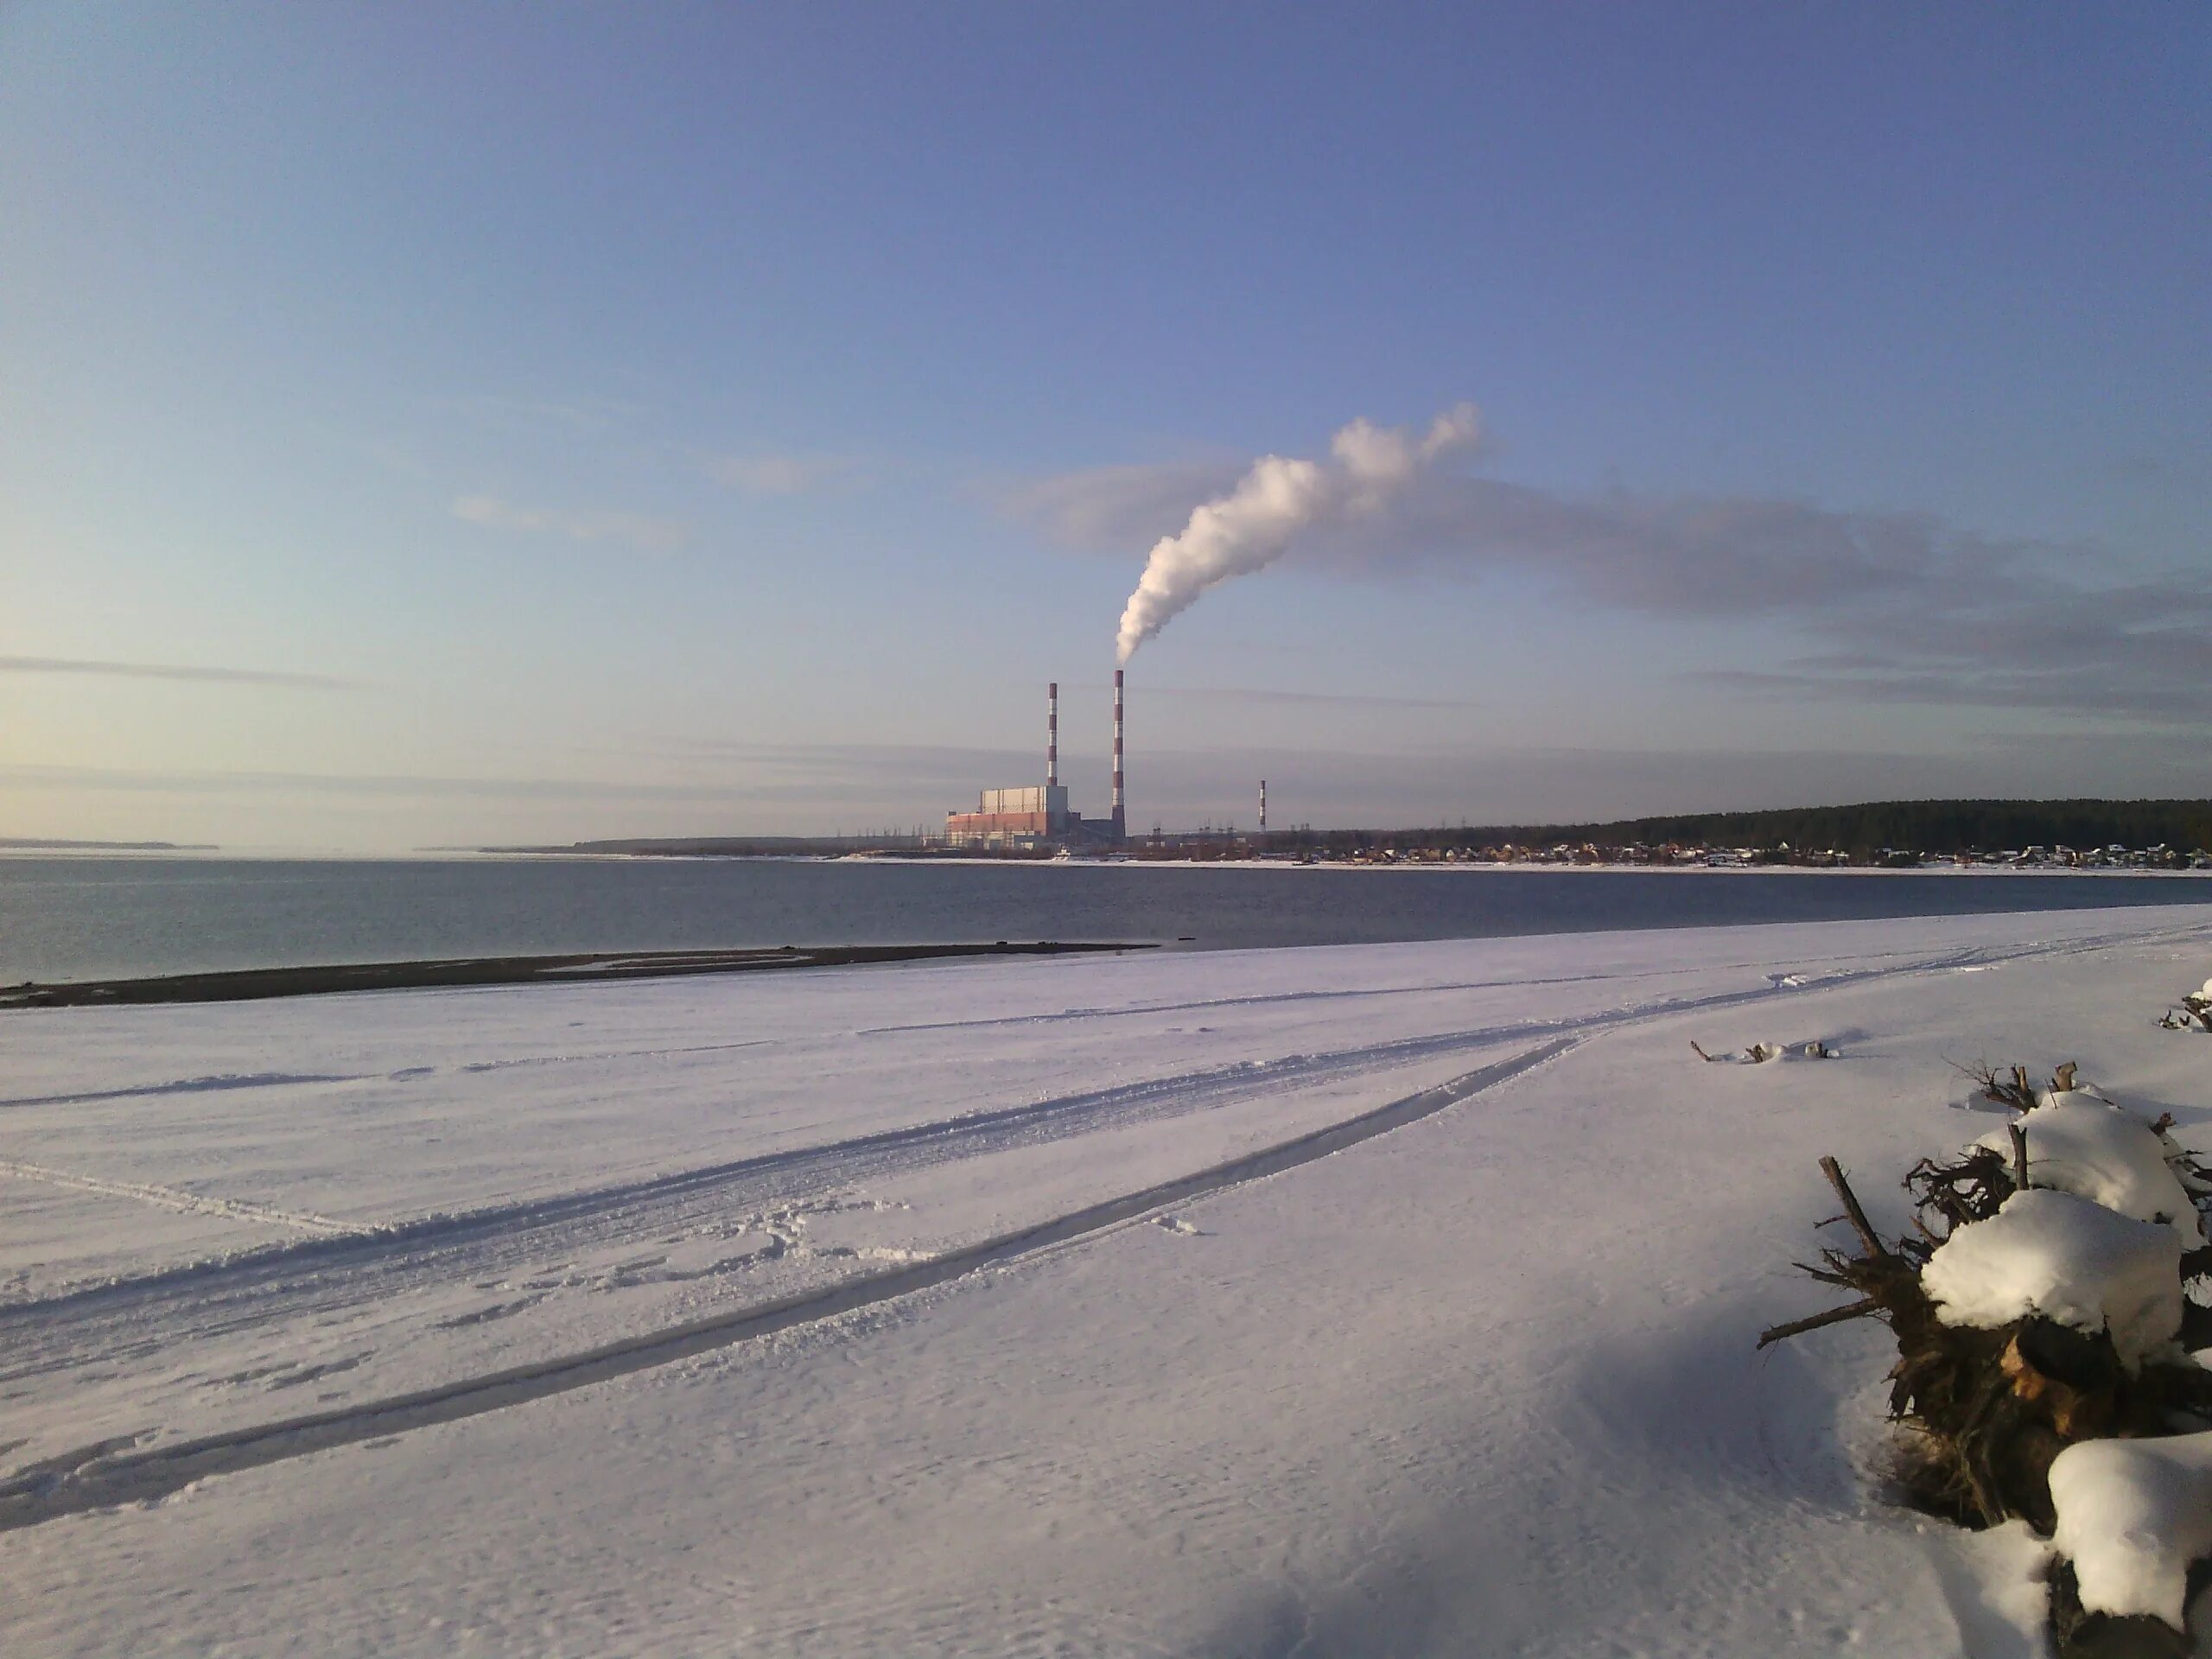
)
(425, 425)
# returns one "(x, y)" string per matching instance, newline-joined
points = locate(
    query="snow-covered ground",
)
(1365, 1300)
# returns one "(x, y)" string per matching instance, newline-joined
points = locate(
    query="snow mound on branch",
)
(2083, 1145)
(2131, 1516)
(2071, 1260)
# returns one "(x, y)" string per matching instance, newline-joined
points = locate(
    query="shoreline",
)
(258, 984)
(1467, 866)
(939, 862)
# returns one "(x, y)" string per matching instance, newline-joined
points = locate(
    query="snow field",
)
(1486, 1378)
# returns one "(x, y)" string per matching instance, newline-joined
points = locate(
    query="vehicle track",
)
(101, 1476)
(325, 1277)
(170, 1197)
(60, 1338)
(329, 1276)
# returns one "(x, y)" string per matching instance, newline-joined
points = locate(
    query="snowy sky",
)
(427, 425)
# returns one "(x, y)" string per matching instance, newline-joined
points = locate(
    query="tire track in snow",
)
(228, 1080)
(1258, 1000)
(98, 1477)
(481, 1243)
(195, 1204)
(334, 1277)
(187, 1086)
(1906, 960)
(76, 1326)
(330, 1279)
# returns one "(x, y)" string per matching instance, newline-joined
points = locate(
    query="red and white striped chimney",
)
(1121, 826)
(1053, 734)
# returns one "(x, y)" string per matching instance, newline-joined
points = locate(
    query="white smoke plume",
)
(1254, 525)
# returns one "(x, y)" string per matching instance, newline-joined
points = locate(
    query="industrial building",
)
(1029, 817)
(1025, 817)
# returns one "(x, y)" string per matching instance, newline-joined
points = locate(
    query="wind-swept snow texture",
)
(827, 1312)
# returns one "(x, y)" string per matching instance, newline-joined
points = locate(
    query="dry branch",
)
(1860, 1224)
(1971, 1189)
(2013, 1091)
(1991, 1409)
(1858, 1310)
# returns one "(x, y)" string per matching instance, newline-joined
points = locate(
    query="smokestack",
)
(1120, 825)
(1053, 734)
(1264, 806)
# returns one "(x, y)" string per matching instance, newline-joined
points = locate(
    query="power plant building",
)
(1011, 817)
(1029, 814)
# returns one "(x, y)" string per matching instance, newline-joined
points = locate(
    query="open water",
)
(65, 918)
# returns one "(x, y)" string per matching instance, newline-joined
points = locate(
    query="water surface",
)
(83, 918)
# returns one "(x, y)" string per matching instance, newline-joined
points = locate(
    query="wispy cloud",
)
(1118, 509)
(583, 414)
(812, 789)
(838, 772)
(366, 785)
(1322, 699)
(1371, 785)
(777, 474)
(1890, 606)
(173, 672)
(827, 776)
(636, 530)
(1684, 554)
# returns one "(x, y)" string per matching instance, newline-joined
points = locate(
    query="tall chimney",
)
(1053, 734)
(1264, 806)
(1121, 824)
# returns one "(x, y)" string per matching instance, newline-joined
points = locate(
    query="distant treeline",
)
(42, 844)
(1862, 832)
